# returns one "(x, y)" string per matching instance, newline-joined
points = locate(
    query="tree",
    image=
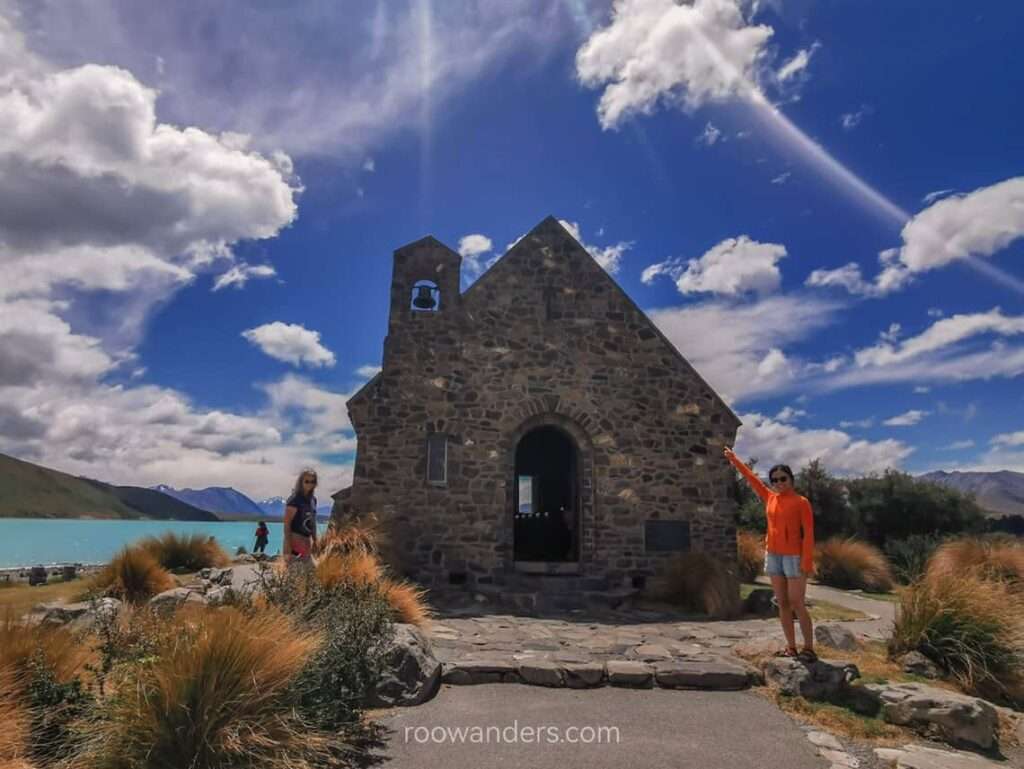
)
(749, 507)
(833, 514)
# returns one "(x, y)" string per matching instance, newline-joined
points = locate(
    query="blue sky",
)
(820, 203)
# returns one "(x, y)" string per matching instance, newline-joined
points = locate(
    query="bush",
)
(217, 694)
(701, 583)
(971, 627)
(357, 568)
(406, 601)
(999, 558)
(852, 564)
(133, 575)
(909, 557)
(355, 622)
(750, 553)
(188, 552)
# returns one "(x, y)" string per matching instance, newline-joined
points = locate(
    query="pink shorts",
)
(300, 549)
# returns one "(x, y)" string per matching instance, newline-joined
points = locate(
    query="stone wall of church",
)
(543, 338)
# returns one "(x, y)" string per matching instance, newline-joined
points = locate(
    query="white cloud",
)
(922, 390)
(609, 257)
(1009, 439)
(474, 245)
(891, 334)
(734, 266)
(368, 372)
(291, 343)
(369, 165)
(958, 445)
(738, 348)
(679, 54)
(709, 135)
(907, 419)
(774, 442)
(851, 120)
(340, 80)
(241, 273)
(798, 64)
(789, 414)
(782, 178)
(861, 423)
(931, 197)
(935, 312)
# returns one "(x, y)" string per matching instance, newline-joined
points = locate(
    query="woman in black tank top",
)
(300, 517)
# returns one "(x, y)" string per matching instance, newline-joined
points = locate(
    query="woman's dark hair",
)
(262, 523)
(783, 468)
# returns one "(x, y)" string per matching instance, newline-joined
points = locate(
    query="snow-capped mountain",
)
(215, 499)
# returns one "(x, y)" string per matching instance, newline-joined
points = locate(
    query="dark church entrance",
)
(546, 513)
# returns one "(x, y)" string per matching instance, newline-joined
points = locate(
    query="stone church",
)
(536, 426)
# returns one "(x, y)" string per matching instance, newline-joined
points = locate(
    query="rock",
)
(220, 576)
(629, 673)
(761, 602)
(169, 600)
(917, 664)
(104, 609)
(245, 558)
(490, 671)
(923, 757)
(836, 636)
(821, 680)
(541, 673)
(411, 673)
(583, 675)
(701, 675)
(219, 596)
(63, 613)
(838, 758)
(651, 652)
(959, 719)
(824, 740)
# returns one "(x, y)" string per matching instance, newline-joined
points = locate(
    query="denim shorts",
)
(782, 565)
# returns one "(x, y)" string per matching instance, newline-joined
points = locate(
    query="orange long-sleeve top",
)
(790, 519)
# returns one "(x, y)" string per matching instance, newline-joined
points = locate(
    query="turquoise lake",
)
(30, 541)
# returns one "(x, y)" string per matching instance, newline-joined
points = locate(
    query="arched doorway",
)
(547, 497)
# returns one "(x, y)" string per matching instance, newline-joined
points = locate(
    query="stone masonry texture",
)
(544, 338)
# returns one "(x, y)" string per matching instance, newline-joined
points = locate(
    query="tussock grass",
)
(14, 717)
(852, 564)
(134, 575)
(698, 582)
(972, 627)
(188, 552)
(354, 567)
(750, 553)
(406, 600)
(216, 695)
(989, 558)
(63, 654)
(363, 535)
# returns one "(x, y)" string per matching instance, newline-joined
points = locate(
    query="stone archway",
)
(546, 497)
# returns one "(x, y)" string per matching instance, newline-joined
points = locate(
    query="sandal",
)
(787, 652)
(807, 655)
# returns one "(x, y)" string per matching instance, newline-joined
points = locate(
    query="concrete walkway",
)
(650, 729)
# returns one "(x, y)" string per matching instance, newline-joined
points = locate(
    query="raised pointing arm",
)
(753, 481)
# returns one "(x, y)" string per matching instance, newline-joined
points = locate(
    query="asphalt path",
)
(651, 729)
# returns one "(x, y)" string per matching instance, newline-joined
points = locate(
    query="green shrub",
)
(187, 552)
(909, 557)
(55, 709)
(971, 627)
(852, 564)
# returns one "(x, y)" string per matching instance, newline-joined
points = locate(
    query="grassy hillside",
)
(32, 491)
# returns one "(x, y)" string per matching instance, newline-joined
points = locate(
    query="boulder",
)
(219, 596)
(480, 671)
(541, 673)
(245, 558)
(924, 757)
(761, 602)
(411, 673)
(103, 609)
(917, 664)
(821, 680)
(216, 576)
(169, 600)
(959, 719)
(63, 613)
(836, 636)
(583, 675)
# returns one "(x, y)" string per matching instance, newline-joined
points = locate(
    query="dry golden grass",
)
(20, 599)
(363, 535)
(406, 600)
(14, 718)
(698, 582)
(354, 567)
(190, 552)
(750, 554)
(988, 558)
(970, 626)
(133, 575)
(838, 720)
(216, 695)
(58, 648)
(852, 564)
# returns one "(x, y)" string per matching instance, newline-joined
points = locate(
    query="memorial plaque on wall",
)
(666, 536)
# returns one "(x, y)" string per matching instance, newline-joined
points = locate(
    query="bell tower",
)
(426, 304)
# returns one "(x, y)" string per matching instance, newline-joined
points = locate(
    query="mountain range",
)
(226, 501)
(1001, 493)
(28, 490)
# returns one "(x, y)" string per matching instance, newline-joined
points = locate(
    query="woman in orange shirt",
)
(789, 550)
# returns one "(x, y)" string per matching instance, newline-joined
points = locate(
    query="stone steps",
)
(554, 595)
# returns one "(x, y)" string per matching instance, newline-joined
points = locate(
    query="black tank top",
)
(304, 520)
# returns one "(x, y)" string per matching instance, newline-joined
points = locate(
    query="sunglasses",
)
(779, 479)
(309, 482)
